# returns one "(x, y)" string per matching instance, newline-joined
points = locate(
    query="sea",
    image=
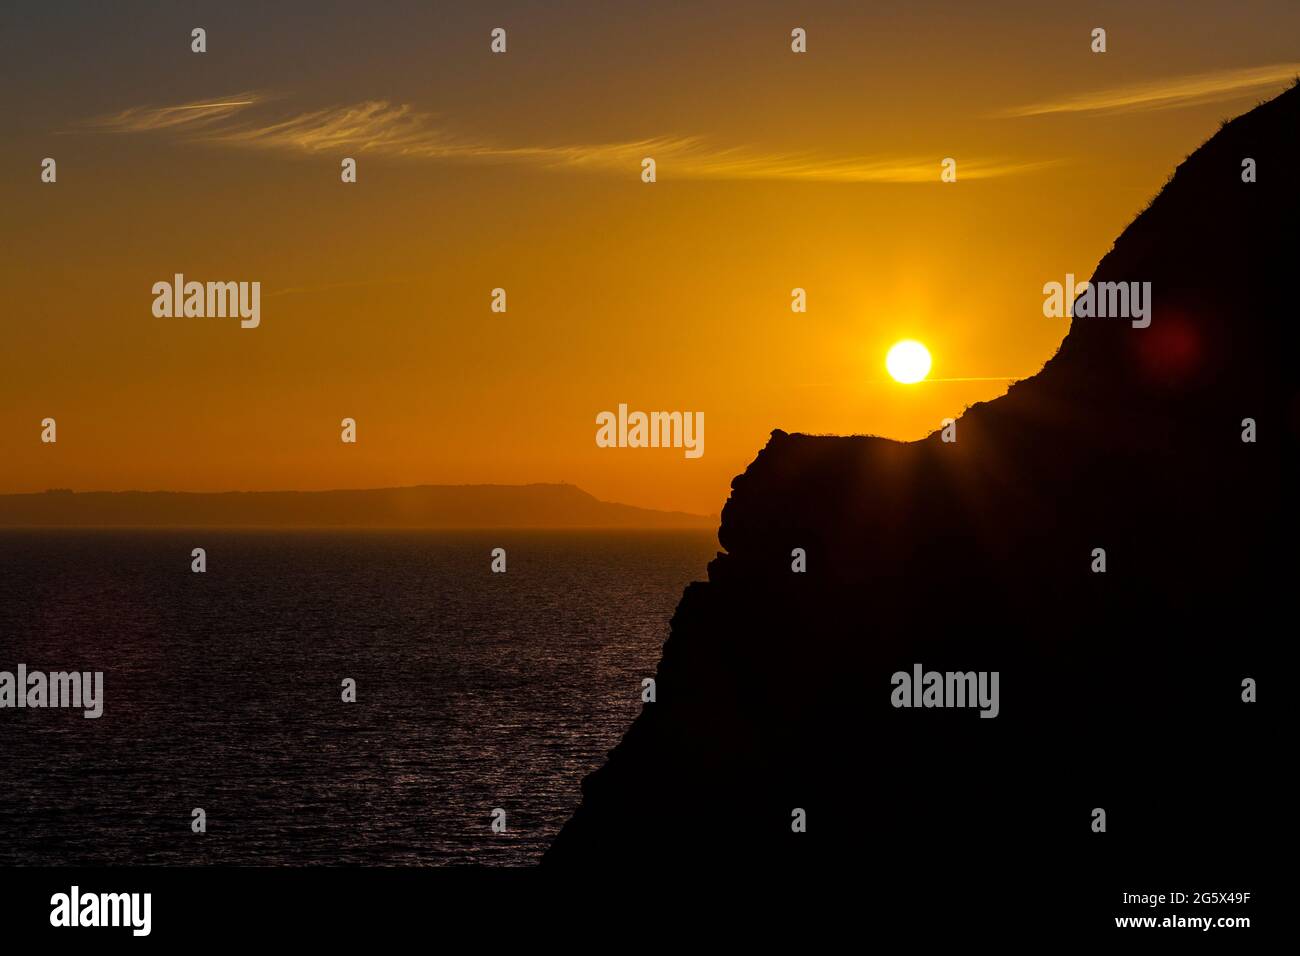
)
(480, 697)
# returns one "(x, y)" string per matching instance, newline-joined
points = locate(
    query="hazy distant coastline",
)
(442, 507)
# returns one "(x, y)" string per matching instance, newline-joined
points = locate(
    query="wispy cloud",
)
(186, 116)
(1168, 93)
(381, 128)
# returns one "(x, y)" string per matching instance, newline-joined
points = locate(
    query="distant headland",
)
(465, 507)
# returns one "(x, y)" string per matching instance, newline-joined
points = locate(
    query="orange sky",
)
(521, 171)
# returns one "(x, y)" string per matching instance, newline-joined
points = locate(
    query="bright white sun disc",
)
(908, 362)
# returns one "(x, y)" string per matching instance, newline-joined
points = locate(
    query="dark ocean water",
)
(222, 690)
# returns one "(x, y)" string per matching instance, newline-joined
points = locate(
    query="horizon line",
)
(63, 493)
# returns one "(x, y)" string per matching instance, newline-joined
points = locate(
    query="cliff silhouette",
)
(422, 506)
(1119, 690)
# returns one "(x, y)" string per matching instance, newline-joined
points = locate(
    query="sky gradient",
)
(522, 171)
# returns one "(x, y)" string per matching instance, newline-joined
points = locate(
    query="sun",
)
(908, 361)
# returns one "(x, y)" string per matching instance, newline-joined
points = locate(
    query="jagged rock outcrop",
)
(1120, 690)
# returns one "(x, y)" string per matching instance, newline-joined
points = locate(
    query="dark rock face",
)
(1119, 690)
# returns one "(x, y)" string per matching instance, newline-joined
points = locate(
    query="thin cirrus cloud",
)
(1168, 93)
(380, 128)
(186, 116)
